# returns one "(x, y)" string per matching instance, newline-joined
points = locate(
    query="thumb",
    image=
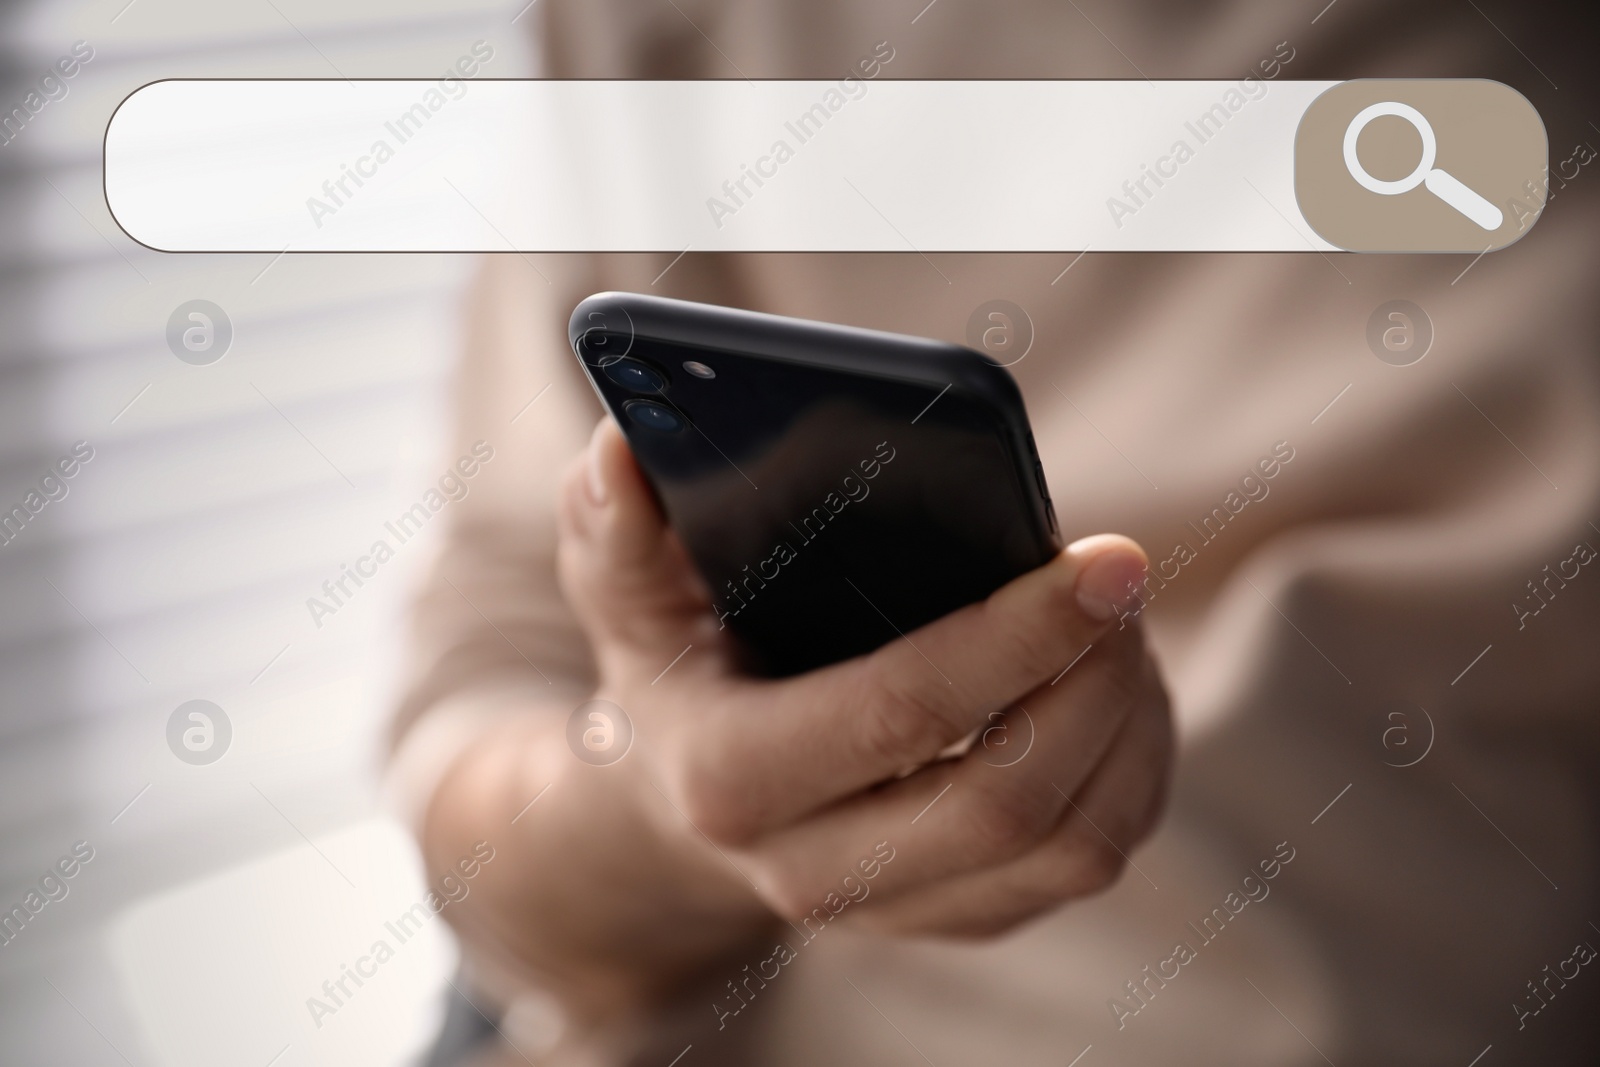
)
(633, 587)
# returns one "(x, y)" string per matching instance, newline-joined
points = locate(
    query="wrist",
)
(601, 892)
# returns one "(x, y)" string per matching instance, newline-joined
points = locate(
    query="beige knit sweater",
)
(1385, 664)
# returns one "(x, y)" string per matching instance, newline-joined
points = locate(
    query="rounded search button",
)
(1420, 165)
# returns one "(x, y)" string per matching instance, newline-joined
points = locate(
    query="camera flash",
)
(698, 369)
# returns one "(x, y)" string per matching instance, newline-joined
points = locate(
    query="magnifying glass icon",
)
(1445, 186)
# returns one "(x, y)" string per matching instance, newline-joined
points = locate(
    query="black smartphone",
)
(837, 487)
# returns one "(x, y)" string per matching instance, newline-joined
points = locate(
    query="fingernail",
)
(596, 480)
(1107, 582)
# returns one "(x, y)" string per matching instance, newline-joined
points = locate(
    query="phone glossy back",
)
(836, 487)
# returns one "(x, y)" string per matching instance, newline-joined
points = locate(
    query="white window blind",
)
(175, 563)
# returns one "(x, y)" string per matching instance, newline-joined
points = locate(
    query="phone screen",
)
(829, 511)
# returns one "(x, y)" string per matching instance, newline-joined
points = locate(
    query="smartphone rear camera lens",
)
(636, 376)
(654, 416)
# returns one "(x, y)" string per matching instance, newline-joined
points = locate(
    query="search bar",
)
(853, 165)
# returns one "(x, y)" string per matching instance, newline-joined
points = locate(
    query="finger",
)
(836, 731)
(973, 814)
(1087, 852)
(625, 573)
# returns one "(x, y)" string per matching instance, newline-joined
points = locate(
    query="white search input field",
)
(663, 166)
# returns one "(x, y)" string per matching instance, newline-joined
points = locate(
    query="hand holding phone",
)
(828, 795)
(796, 779)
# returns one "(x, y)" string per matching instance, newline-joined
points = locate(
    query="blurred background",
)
(231, 867)
(220, 496)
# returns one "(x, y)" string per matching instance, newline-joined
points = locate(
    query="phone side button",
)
(1044, 494)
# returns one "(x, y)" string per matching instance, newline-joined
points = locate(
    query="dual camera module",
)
(637, 376)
